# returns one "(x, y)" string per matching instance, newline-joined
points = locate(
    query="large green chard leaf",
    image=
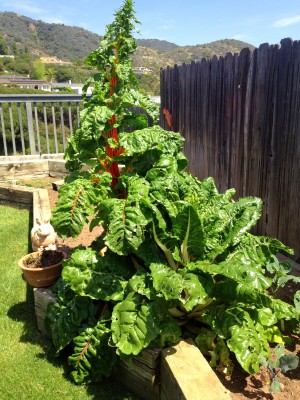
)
(77, 199)
(134, 98)
(133, 325)
(198, 288)
(245, 336)
(141, 283)
(188, 228)
(284, 311)
(248, 343)
(126, 219)
(140, 141)
(169, 331)
(92, 357)
(233, 291)
(102, 278)
(167, 281)
(65, 320)
(244, 273)
(224, 226)
(257, 251)
(190, 287)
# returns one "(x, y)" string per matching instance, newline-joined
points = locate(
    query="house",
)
(76, 87)
(25, 82)
(142, 70)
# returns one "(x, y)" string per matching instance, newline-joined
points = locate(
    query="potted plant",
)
(177, 258)
(42, 268)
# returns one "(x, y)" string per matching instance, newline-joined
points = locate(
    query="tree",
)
(15, 49)
(3, 46)
(38, 70)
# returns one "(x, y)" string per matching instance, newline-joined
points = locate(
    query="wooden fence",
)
(240, 116)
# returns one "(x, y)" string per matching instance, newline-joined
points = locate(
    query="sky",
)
(184, 22)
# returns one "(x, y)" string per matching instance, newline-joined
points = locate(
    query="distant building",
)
(25, 82)
(142, 70)
(77, 87)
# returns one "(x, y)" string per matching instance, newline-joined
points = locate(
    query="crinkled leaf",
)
(133, 325)
(169, 331)
(167, 281)
(77, 199)
(141, 283)
(126, 218)
(245, 337)
(67, 319)
(233, 291)
(225, 225)
(196, 288)
(140, 141)
(92, 358)
(190, 287)
(247, 344)
(242, 273)
(102, 278)
(187, 227)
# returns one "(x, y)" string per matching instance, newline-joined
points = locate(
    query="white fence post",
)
(30, 128)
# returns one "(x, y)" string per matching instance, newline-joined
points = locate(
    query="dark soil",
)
(46, 259)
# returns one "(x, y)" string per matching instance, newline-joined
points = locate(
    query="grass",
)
(30, 370)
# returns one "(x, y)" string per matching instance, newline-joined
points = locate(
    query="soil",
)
(240, 385)
(46, 259)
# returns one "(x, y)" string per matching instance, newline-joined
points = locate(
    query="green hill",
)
(72, 43)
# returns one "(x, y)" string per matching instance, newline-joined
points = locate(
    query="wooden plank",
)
(42, 297)
(140, 374)
(41, 205)
(186, 375)
(57, 168)
(10, 170)
(16, 195)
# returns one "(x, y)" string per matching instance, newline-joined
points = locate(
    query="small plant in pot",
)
(42, 268)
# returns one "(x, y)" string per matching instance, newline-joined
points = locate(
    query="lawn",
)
(29, 367)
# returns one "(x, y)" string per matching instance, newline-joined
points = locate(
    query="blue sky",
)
(184, 22)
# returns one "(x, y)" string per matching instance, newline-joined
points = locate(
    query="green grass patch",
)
(30, 370)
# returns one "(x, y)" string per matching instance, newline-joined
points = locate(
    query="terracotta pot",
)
(41, 277)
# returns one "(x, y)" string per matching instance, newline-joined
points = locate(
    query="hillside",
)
(71, 43)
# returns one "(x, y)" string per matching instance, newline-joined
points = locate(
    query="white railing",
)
(37, 124)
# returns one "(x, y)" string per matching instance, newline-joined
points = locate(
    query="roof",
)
(21, 80)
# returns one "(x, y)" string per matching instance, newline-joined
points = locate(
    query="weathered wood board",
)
(186, 375)
(42, 297)
(14, 194)
(11, 170)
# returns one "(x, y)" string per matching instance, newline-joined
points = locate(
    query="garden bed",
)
(241, 386)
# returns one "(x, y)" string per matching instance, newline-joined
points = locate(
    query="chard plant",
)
(176, 259)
